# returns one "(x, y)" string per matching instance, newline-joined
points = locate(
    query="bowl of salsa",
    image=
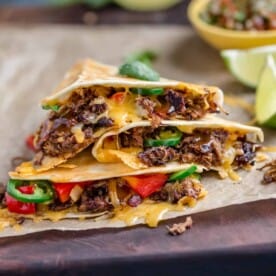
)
(227, 24)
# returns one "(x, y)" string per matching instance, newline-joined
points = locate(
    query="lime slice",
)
(246, 65)
(266, 95)
(146, 5)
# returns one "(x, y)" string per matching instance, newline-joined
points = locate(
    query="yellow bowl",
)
(226, 39)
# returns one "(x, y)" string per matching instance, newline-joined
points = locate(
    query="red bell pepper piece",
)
(145, 185)
(63, 190)
(19, 207)
(30, 142)
(118, 97)
(26, 189)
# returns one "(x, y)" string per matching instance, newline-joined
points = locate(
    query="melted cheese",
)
(151, 212)
(269, 149)
(125, 112)
(229, 157)
(260, 157)
(67, 166)
(239, 102)
(186, 129)
(25, 168)
(6, 219)
(233, 175)
(17, 227)
(44, 213)
(112, 190)
(126, 155)
(78, 133)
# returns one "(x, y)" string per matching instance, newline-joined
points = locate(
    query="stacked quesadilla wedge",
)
(116, 147)
(93, 99)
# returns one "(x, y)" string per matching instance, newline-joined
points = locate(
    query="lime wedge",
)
(146, 5)
(246, 65)
(266, 95)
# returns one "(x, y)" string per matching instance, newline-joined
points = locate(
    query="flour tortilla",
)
(130, 158)
(84, 168)
(88, 73)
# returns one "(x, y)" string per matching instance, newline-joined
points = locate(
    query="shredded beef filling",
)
(270, 172)
(148, 110)
(95, 198)
(178, 104)
(133, 138)
(246, 152)
(173, 192)
(59, 206)
(86, 109)
(55, 137)
(203, 146)
(157, 156)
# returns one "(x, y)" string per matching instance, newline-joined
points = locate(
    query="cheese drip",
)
(125, 112)
(152, 212)
(227, 169)
(269, 149)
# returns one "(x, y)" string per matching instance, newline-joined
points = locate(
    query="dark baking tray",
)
(236, 240)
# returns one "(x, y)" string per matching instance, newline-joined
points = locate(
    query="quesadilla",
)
(212, 142)
(140, 172)
(93, 98)
(86, 188)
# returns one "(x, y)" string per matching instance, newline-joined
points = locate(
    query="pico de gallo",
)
(245, 15)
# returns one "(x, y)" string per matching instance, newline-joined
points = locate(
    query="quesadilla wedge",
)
(214, 143)
(85, 188)
(93, 98)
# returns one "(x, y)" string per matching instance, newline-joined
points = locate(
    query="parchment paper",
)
(34, 59)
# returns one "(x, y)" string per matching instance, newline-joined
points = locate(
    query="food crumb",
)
(180, 228)
(20, 220)
(270, 173)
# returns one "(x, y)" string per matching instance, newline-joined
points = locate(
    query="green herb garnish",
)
(138, 70)
(54, 107)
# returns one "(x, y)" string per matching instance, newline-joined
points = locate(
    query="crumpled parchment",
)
(34, 58)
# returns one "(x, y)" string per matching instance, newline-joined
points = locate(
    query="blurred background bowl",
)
(226, 39)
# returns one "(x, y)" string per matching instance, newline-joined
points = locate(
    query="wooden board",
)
(235, 239)
(240, 239)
